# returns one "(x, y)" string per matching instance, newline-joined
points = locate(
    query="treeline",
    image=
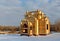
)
(53, 27)
(56, 27)
(9, 28)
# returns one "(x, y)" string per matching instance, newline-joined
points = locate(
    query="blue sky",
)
(12, 11)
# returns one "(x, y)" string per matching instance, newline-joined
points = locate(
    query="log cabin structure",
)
(35, 23)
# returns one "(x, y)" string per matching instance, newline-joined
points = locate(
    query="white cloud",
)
(10, 12)
(15, 9)
(10, 2)
(49, 7)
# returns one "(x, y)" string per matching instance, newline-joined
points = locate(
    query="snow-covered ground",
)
(16, 37)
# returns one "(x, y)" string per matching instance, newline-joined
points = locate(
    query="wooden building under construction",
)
(35, 23)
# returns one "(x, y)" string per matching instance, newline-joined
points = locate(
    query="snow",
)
(16, 37)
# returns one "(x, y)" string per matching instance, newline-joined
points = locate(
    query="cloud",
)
(50, 7)
(10, 2)
(12, 11)
(53, 10)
